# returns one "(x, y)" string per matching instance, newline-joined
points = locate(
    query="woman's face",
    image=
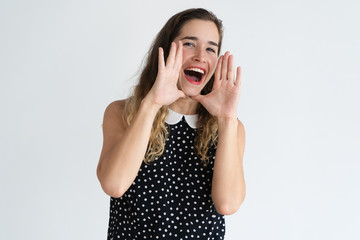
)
(200, 39)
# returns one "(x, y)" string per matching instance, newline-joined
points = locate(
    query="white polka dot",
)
(175, 186)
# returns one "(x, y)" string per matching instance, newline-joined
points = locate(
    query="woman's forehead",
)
(202, 29)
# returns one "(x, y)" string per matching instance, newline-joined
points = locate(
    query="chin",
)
(190, 91)
(191, 94)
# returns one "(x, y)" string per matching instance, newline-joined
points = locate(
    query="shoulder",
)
(113, 116)
(115, 108)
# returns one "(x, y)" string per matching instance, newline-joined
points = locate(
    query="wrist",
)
(227, 120)
(149, 105)
(227, 125)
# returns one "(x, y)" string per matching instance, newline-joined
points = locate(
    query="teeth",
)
(196, 70)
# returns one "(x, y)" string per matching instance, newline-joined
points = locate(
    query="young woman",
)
(172, 157)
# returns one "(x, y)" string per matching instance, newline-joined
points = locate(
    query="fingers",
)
(238, 77)
(218, 73)
(179, 55)
(231, 69)
(171, 58)
(224, 67)
(161, 58)
(175, 54)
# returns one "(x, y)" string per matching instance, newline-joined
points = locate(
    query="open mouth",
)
(194, 75)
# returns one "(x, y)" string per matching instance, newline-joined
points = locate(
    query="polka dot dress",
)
(170, 197)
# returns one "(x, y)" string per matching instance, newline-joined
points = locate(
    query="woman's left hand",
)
(223, 100)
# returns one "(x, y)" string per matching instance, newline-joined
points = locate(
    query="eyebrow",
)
(196, 39)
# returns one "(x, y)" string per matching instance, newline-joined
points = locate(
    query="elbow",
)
(109, 187)
(225, 209)
(114, 194)
(228, 207)
(112, 190)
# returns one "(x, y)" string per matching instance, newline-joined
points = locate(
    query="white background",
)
(63, 62)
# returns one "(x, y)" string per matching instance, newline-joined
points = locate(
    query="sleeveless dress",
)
(171, 197)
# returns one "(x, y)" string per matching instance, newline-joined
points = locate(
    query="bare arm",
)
(124, 148)
(228, 184)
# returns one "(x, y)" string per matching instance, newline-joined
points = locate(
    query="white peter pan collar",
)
(174, 117)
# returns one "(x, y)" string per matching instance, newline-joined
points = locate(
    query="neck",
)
(185, 106)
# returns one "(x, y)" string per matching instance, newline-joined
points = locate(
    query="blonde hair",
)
(206, 132)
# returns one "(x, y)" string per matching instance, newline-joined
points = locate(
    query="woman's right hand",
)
(164, 90)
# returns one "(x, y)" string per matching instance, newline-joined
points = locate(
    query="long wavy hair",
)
(206, 132)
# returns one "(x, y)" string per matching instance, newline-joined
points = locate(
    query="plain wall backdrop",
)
(63, 62)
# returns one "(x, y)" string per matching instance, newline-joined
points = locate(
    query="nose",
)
(199, 56)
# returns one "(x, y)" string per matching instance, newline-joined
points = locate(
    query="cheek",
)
(213, 65)
(186, 54)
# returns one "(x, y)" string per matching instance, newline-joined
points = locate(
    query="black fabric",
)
(171, 197)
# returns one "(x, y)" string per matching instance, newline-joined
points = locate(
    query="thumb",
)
(181, 94)
(198, 98)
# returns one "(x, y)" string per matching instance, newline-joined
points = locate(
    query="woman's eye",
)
(211, 50)
(189, 44)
